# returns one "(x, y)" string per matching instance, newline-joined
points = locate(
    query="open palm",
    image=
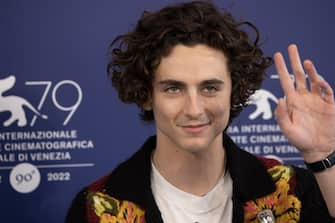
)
(307, 114)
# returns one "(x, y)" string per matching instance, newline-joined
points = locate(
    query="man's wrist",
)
(323, 164)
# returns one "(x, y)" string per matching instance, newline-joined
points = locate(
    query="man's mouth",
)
(195, 128)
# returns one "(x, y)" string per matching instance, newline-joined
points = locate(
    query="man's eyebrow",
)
(212, 81)
(180, 83)
(171, 82)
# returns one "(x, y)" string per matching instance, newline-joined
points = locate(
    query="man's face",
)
(191, 98)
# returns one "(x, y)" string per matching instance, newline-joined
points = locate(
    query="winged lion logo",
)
(15, 104)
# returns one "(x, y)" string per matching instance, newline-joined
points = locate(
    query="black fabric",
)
(313, 205)
(244, 168)
(77, 211)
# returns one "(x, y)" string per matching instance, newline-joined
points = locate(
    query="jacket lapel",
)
(250, 177)
(131, 181)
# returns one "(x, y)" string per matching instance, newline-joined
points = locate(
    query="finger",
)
(284, 76)
(327, 92)
(283, 116)
(297, 69)
(313, 76)
(318, 85)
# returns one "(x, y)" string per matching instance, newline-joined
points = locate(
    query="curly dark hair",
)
(136, 55)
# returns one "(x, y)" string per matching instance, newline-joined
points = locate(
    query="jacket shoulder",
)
(93, 204)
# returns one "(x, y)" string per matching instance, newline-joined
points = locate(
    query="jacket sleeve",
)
(77, 210)
(314, 207)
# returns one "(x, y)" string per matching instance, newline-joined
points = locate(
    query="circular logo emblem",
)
(25, 178)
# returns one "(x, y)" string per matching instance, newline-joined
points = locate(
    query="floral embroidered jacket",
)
(125, 195)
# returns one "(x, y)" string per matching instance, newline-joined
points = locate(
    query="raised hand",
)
(307, 114)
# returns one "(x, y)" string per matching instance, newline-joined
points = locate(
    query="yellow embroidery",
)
(111, 210)
(285, 207)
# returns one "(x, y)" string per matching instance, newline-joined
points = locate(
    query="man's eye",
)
(210, 89)
(172, 90)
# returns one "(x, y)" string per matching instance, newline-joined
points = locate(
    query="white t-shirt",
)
(177, 206)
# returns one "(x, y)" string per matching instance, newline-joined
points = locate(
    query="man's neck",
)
(193, 172)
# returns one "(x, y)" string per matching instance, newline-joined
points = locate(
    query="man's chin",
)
(195, 147)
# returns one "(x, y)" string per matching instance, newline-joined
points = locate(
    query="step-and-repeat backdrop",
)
(61, 124)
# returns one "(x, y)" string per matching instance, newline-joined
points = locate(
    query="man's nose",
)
(193, 105)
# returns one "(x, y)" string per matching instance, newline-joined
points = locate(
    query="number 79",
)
(71, 109)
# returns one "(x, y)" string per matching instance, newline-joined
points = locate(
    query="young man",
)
(191, 69)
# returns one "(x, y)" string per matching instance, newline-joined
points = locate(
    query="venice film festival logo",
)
(261, 99)
(17, 106)
(25, 177)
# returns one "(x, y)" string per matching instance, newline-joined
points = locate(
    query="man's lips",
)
(195, 128)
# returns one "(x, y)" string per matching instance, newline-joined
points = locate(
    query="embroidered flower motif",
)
(284, 205)
(111, 210)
